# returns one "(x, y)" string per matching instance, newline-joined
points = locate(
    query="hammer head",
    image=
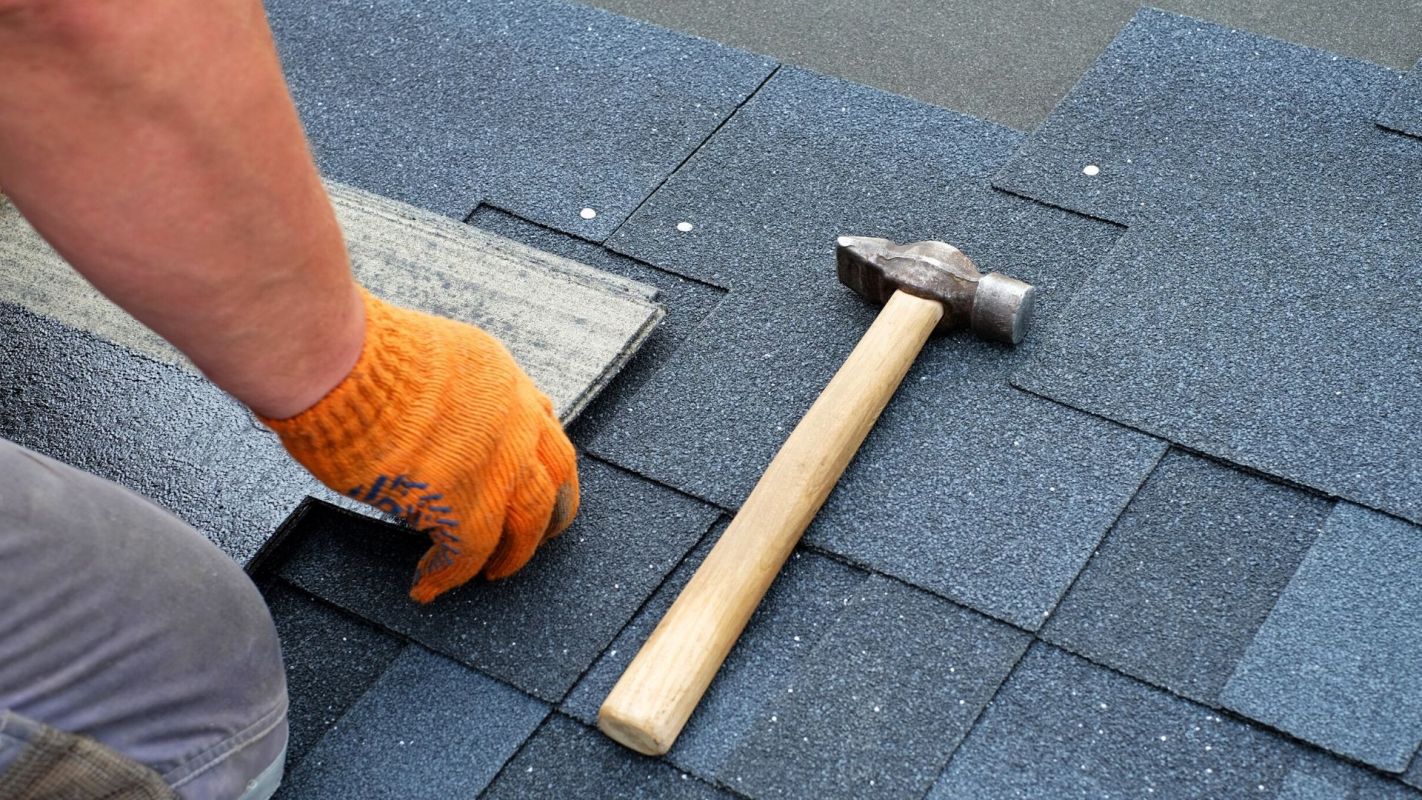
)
(995, 306)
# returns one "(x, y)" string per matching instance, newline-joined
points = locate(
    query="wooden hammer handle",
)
(662, 686)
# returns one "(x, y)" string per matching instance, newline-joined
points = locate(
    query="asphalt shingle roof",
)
(1403, 110)
(1128, 575)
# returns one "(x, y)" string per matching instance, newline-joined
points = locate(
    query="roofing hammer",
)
(925, 286)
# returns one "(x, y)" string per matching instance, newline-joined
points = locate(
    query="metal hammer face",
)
(995, 306)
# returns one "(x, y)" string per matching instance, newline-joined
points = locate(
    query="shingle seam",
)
(469, 220)
(517, 751)
(1222, 711)
(1115, 521)
(593, 454)
(849, 561)
(404, 639)
(852, 563)
(690, 154)
(992, 184)
(712, 530)
(947, 762)
(1217, 459)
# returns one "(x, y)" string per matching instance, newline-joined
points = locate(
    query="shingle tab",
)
(1260, 308)
(154, 428)
(542, 107)
(1177, 589)
(1403, 110)
(1336, 662)
(1063, 727)
(331, 659)
(968, 487)
(877, 706)
(1178, 108)
(566, 759)
(687, 303)
(1413, 776)
(429, 717)
(538, 630)
(803, 603)
(845, 684)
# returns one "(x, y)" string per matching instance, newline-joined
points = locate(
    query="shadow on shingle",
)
(1403, 110)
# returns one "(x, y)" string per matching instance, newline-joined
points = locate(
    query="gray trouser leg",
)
(121, 623)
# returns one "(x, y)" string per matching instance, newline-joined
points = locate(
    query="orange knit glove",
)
(438, 425)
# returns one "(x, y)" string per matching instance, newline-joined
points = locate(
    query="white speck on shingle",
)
(684, 227)
(1091, 170)
(588, 213)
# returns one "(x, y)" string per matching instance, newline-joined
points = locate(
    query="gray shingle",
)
(1178, 587)
(542, 107)
(800, 607)
(1006, 502)
(429, 717)
(566, 759)
(331, 659)
(876, 707)
(1403, 110)
(1062, 727)
(1177, 108)
(793, 709)
(1413, 776)
(1260, 308)
(687, 303)
(154, 428)
(1336, 662)
(538, 630)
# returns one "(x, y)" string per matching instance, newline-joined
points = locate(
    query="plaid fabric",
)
(64, 766)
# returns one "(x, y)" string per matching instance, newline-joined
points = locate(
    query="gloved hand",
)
(438, 425)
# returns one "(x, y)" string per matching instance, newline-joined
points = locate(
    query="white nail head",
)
(587, 213)
(684, 227)
(1091, 169)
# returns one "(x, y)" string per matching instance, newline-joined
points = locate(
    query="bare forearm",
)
(153, 142)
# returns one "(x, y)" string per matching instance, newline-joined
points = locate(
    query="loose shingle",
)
(801, 606)
(1336, 662)
(968, 487)
(569, 326)
(542, 107)
(331, 659)
(1177, 589)
(154, 428)
(538, 630)
(565, 759)
(1261, 308)
(687, 303)
(1403, 110)
(429, 728)
(1062, 727)
(877, 706)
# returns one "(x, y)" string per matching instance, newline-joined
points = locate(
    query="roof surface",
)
(1166, 548)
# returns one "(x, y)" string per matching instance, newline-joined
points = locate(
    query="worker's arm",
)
(154, 144)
